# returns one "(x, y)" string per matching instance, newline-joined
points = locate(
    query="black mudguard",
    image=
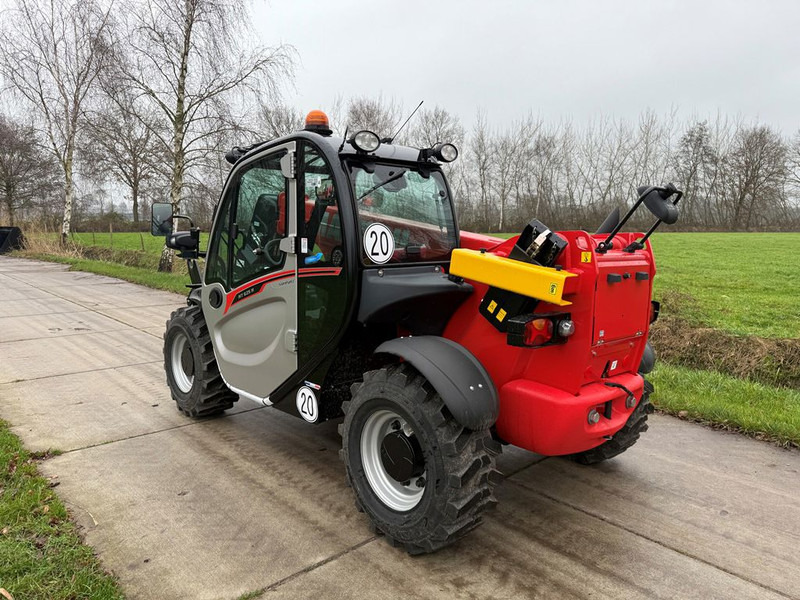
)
(648, 359)
(456, 375)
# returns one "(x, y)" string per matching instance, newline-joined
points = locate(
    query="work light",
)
(365, 141)
(445, 152)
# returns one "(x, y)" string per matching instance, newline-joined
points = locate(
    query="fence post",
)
(110, 236)
(141, 239)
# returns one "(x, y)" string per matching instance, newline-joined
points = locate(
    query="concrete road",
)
(257, 500)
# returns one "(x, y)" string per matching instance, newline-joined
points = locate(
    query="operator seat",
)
(265, 217)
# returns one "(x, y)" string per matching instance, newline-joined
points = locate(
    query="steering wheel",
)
(268, 252)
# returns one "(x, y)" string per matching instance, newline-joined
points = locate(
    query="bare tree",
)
(278, 120)
(430, 126)
(52, 51)
(120, 142)
(483, 165)
(187, 60)
(376, 114)
(28, 175)
(759, 171)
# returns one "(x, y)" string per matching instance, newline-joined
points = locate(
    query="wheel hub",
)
(393, 460)
(401, 456)
(182, 360)
(187, 360)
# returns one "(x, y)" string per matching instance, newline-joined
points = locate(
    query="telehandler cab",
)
(336, 281)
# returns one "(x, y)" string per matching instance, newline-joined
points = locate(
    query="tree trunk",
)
(178, 135)
(69, 189)
(9, 202)
(135, 201)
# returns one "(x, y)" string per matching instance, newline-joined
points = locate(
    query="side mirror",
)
(658, 203)
(161, 221)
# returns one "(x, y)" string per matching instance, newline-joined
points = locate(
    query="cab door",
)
(249, 293)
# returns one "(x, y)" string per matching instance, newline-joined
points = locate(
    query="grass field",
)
(128, 241)
(41, 555)
(743, 283)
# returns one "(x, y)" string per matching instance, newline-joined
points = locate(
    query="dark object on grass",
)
(11, 238)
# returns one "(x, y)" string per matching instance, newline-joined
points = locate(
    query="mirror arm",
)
(639, 244)
(607, 244)
(191, 223)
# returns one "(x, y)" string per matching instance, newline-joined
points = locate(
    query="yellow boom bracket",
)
(542, 283)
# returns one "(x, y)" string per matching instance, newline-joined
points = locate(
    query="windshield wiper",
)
(394, 177)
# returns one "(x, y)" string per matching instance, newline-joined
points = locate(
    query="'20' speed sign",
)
(378, 243)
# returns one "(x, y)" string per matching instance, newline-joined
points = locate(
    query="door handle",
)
(288, 244)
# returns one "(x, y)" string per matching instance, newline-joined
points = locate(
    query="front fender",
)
(456, 375)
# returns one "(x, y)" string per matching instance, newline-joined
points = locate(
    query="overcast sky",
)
(574, 59)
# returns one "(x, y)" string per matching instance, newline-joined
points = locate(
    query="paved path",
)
(257, 499)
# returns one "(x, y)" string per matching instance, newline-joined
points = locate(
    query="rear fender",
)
(455, 374)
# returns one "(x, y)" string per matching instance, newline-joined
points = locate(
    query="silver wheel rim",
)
(391, 492)
(182, 380)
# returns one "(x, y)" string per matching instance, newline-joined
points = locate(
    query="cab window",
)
(321, 218)
(323, 289)
(249, 244)
(404, 214)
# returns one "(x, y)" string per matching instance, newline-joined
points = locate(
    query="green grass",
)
(725, 401)
(41, 555)
(171, 282)
(743, 283)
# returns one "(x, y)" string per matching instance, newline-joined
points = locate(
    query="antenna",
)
(391, 139)
(344, 137)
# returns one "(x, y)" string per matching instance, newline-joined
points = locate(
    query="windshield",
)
(404, 214)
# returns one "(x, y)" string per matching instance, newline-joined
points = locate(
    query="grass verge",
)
(41, 554)
(726, 402)
(171, 282)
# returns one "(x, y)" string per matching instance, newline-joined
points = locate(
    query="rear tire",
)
(625, 437)
(192, 372)
(450, 485)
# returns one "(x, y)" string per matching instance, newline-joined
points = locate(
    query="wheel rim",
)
(182, 363)
(397, 495)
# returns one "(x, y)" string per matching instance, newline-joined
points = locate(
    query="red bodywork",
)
(546, 393)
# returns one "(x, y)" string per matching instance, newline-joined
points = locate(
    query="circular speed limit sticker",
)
(378, 243)
(307, 404)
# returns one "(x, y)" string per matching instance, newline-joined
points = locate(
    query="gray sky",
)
(573, 59)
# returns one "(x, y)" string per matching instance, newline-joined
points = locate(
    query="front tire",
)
(192, 372)
(422, 479)
(625, 437)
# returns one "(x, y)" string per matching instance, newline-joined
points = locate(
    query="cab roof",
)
(335, 145)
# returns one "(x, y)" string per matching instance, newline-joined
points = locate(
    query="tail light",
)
(537, 330)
